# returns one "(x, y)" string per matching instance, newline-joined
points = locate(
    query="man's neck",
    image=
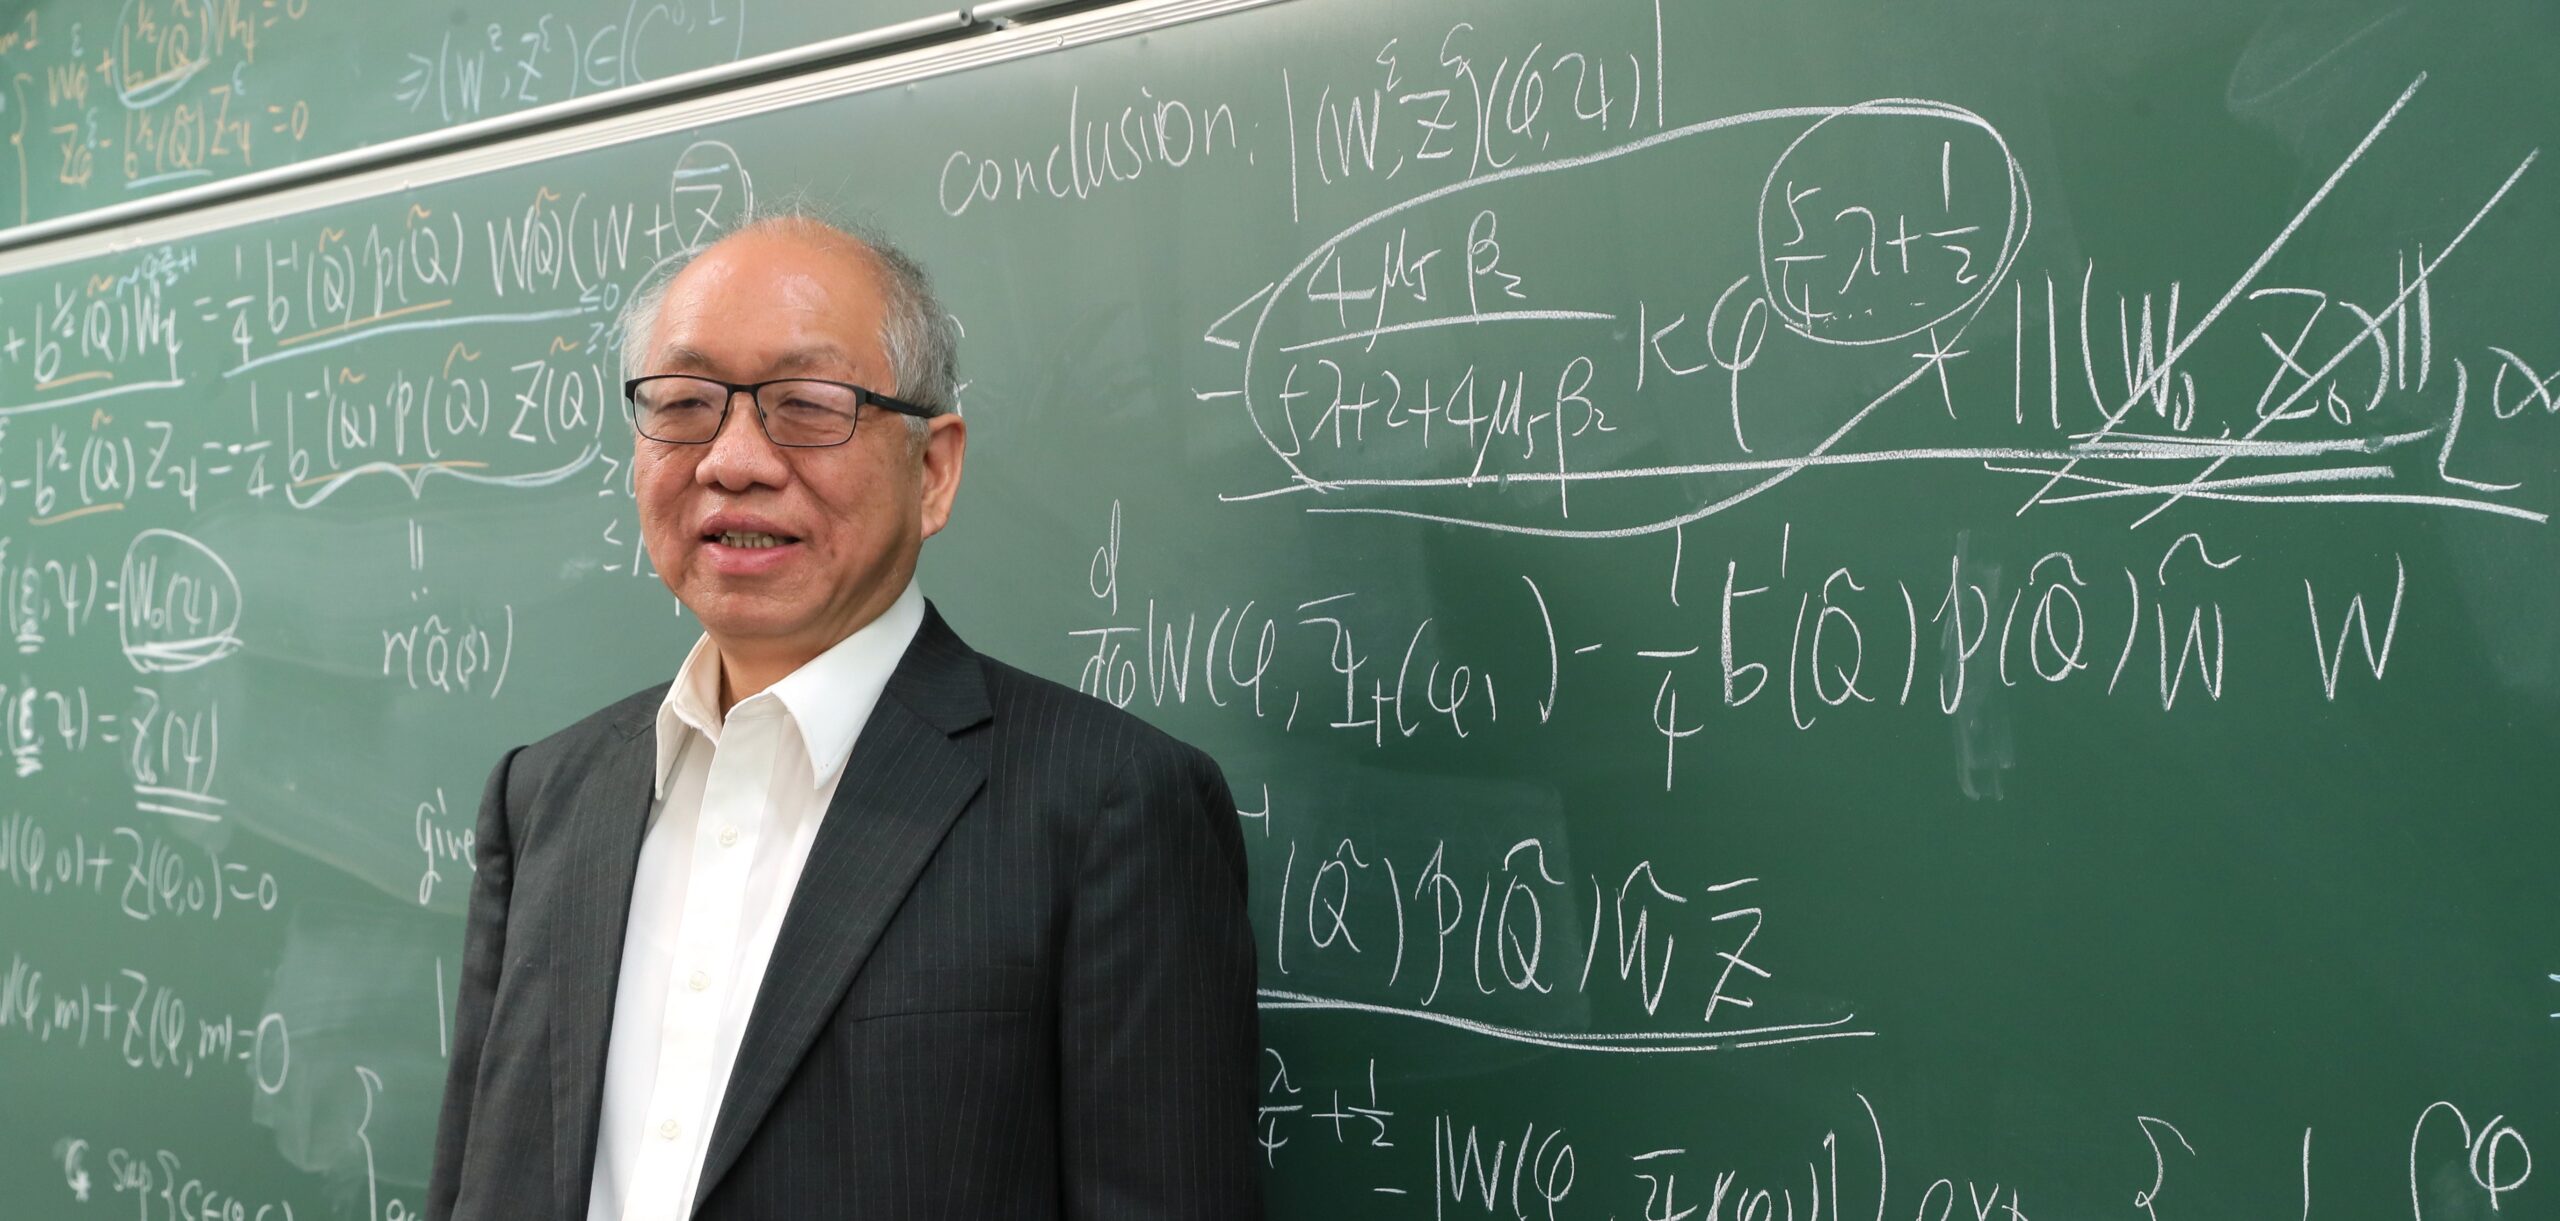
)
(741, 680)
(748, 668)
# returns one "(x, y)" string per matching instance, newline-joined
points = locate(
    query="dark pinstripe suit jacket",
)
(1016, 979)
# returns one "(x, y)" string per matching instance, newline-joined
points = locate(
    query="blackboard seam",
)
(880, 59)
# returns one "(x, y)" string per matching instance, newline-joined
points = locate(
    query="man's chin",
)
(748, 618)
(752, 632)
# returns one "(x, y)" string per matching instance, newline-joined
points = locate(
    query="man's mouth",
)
(748, 539)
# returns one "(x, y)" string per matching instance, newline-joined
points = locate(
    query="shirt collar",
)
(828, 700)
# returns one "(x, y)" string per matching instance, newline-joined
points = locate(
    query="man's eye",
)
(810, 408)
(683, 406)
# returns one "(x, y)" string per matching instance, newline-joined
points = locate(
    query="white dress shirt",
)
(737, 804)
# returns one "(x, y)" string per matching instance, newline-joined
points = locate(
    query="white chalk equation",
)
(1463, 356)
(1518, 1160)
(180, 603)
(1753, 630)
(145, 874)
(1519, 948)
(142, 1025)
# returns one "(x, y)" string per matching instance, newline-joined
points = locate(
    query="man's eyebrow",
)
(682, 357)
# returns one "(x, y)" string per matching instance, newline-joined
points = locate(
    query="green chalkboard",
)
(111, 100)
(1817, 610)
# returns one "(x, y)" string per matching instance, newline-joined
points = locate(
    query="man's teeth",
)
(739, 539)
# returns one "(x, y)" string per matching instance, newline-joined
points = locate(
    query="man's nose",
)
(740, 455)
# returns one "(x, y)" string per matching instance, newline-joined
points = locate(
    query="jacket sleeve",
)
(1158, 1039)
(483, 952)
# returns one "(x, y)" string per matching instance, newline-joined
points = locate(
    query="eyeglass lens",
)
(688, 410)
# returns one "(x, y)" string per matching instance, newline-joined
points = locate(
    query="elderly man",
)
(848, 920)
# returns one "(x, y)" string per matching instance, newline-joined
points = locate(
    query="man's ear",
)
(944, 451)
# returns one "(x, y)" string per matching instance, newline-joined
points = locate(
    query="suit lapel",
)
(605, 824)
(905, 783)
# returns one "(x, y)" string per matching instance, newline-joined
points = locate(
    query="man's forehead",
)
(685, 357)
(779, 301)
(838, 261)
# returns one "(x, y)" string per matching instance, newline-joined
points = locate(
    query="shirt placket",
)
(736, 798)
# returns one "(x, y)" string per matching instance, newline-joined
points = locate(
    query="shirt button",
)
(700, 981)
(728, 837)
(669, 1129)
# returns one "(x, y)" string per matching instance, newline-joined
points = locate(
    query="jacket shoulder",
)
(579, 742)
(1072, 728)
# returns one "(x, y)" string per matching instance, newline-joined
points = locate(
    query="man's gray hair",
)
(922, 342)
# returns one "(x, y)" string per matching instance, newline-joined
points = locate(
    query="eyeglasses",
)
(681, 409)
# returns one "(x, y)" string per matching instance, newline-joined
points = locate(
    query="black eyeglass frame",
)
(862, 396)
